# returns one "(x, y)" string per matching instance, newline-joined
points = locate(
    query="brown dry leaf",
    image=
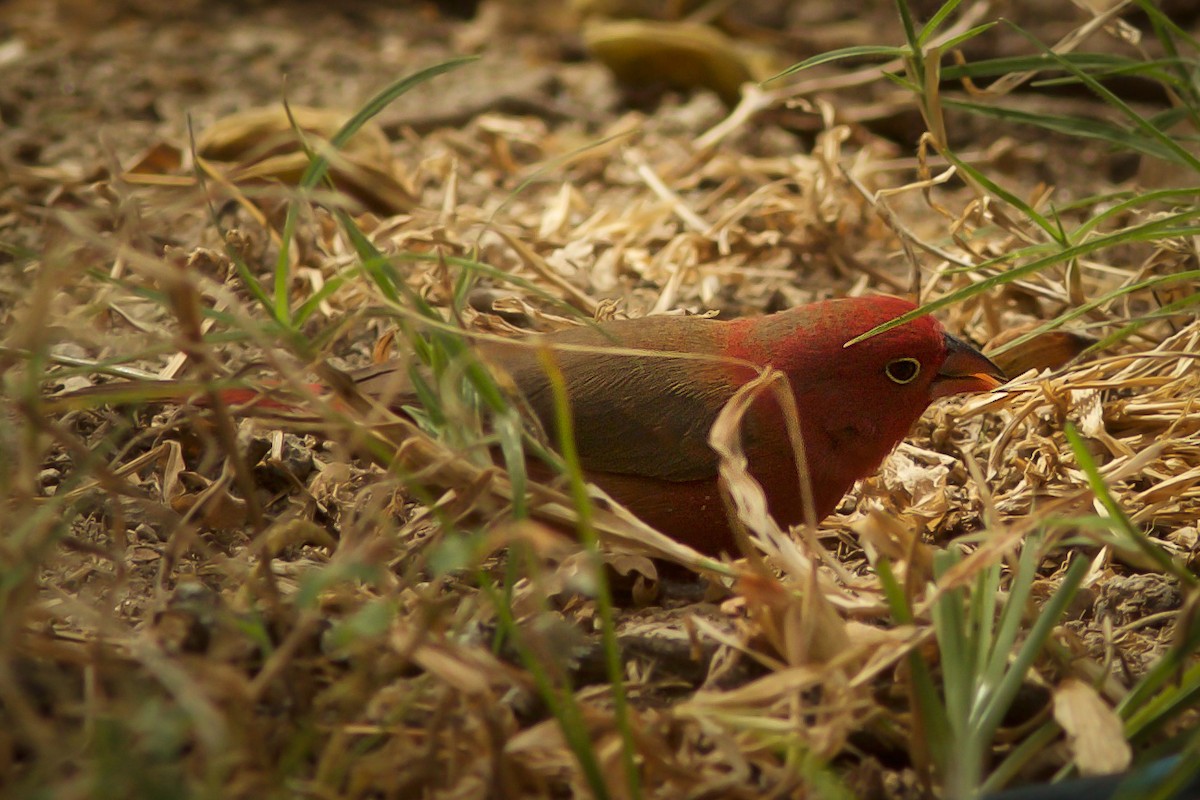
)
(1049, 350)
(763, 691)
(745, 495)
(744, 492)
(160, 159)
(172, 471)
(469, 670)
(542, 749)
(917, 479)
(884, 536)
(376, 188)
(218, 508)
(543, 541)
(802, 623)
(682, 55)
(290, 533)
(778, 702)
(257, 133)
(261, 144)
(627, 563)
(1094, 731)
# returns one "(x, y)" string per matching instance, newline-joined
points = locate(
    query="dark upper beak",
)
(965, 370)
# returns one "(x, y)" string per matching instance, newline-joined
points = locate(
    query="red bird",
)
(642, 422)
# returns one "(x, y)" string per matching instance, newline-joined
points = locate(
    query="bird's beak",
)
(965, 370)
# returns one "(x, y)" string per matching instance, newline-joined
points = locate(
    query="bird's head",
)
(876, 388)
(917, 360)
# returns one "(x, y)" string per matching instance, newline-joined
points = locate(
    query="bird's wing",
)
(647, 416)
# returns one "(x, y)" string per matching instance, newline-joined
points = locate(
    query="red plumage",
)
(642, 420)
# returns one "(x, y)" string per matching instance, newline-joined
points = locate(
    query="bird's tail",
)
(243, 399)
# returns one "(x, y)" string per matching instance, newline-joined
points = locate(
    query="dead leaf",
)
(161, 158)
(219, 509)
(291, 533)
(1094, 731)
(258, 133)
(262, 144)
(681, 55)
(1049, 350)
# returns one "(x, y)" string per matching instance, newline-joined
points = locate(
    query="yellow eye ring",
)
(902, 370)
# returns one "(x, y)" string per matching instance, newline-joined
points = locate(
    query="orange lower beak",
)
(965, 371)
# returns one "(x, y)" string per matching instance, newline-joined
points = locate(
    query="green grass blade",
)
(965, 36)
(931, 28)
(1079, 127)
(928, 709)
(992, 712)
(1180, 154)
(604, 605)
(1119, 519)
(915, 51)
(1161, 227)
(983, 180)
(319, 166)
(842, 54)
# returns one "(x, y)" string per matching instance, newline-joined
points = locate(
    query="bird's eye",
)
(903, 370)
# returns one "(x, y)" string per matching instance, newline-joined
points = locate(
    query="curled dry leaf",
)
(884, 536)
(286, 534)
(208, 501)
(1049, 350)
(261, 144)
(159, 163)
(799, 619)
(258, 133)
(681, 55)
(1094, 731)
(918, 485)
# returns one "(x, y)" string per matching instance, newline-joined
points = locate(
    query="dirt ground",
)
(185, 646)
